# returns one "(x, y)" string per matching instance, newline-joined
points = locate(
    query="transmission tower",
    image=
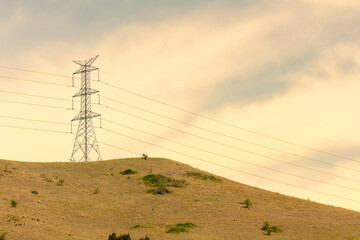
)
(85, 140)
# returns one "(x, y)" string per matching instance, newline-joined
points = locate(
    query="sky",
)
(285, 69)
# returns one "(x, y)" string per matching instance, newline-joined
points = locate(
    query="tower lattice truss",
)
(85, 145)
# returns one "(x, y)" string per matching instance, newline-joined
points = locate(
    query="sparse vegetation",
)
(3, 235)
(269, 229)
(159, 191)
(160, 183)
(180, 227)
(247, 203)
(61, 182)
(35, 192)
(97, 190)
(13, 203)
(6, 168)
(128, 172)
(137, 226)
(202, 176)
(124, 237)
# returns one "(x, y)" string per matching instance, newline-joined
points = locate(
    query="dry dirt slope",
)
(73, 211)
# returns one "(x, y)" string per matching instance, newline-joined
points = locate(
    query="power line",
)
(34, 129)
(36, 81)
(234, 169)
(34, 104)
(34, 120)
(34, 95)
(123, 149)
(228, 124)
(184, 110)
(253, 164)
(32, 71)
(218, 133)
(240, 149)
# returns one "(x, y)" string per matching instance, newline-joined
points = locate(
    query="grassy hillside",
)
(88, 201)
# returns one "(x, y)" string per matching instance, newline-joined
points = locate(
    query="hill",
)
(89, 201)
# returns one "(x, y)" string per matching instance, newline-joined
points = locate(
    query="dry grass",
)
(73, 211)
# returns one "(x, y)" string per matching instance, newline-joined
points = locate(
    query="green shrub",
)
(202, 176)
(3, 235)
(35, 192)
(128, 172)
(61, 182)
(180, 227)
(159, 191)
(269, 229)
(124, 237)
(177, 183)
(160, 181)
(137, 226)
(247, 202)
(13, 203)
(176, 230)
(186, 225)
(156, 180)
(97, 190)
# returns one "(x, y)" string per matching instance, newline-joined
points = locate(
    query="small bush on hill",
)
(35, 192)
(144, 156)
(156, 180)
(247, 202)
(124, 237)
(97, 190)
(61, 182)
(159, 191)
(269, 229)
(180, 227)
(13, 203)
(3, 235)
(202, 176)
(128, 172)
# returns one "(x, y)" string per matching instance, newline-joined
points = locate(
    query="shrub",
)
(247, 202)
(202, 176)
(180, 227)
(123, 237)
(61, 182)
(3, 235)
(186, 225)
(128, 172)
(156, 180)
(177, 183)
(176, 230)
(97, 190)
(144, 156)
(159, 191)
(269, 229)
(35, 192)
(13, 203)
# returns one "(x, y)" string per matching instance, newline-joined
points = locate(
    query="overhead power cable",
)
(218, 133)
(237, 170)
(123, 149)
(35, 129)
(36, 81)
(32, 71)
(34, 120)
(250, 163)
(34, 95)
(228, 124)
(193, 113)
(35, 104)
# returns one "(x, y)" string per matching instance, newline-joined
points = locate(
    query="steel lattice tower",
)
(85, 140)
